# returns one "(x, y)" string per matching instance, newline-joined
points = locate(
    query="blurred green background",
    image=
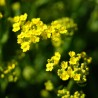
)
(30, 69)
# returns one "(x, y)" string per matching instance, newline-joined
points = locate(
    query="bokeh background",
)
(30, 69)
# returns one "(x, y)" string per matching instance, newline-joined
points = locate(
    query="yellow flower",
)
(64, 93)
(49, 85)
(63, 74)
(78, 94)
(16, 19)
(73, 60)
(49, 66)
(71, 53)
(34, 39)
(64, 65)
(25, 46)
(23, 17)
(89, 60)
(77, 77)
(83, 54)
(61, 92)
(70, 71)
(56, 58)
(53, 61)
(16, 27)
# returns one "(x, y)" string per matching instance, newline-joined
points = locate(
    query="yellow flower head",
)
(64, 65)
(23, 17)
(25, 46)
(49, 67)
(73, 60)
(49, 85)
(71, 53)
(63, 74)
(16, 27)
(76, 77)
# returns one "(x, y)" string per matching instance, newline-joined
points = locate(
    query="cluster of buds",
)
(64, 93)
(9, 72)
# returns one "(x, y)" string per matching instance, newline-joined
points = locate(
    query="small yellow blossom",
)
(73, 60)
(35, 39)
(56, 58)
(83, 54)
(70, 71)
(71, 53)
(61, 92)
(16, 19)
(78, 94)
(23, 17)
(49, 85)
(89, 60)
(77, 77)
(64, 93)
(63, 74)
(64, 65)
(16, 27)
(49, 67)
(25, 46)
(53, 61)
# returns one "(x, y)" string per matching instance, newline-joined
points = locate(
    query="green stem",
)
(70, 84)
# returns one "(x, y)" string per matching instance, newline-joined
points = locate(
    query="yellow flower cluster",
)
(18, 22)
(53, 61)
(9, 73)
(66, 94)
(32, 31)
(65, 26)
(69, 23)
(76, 68)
